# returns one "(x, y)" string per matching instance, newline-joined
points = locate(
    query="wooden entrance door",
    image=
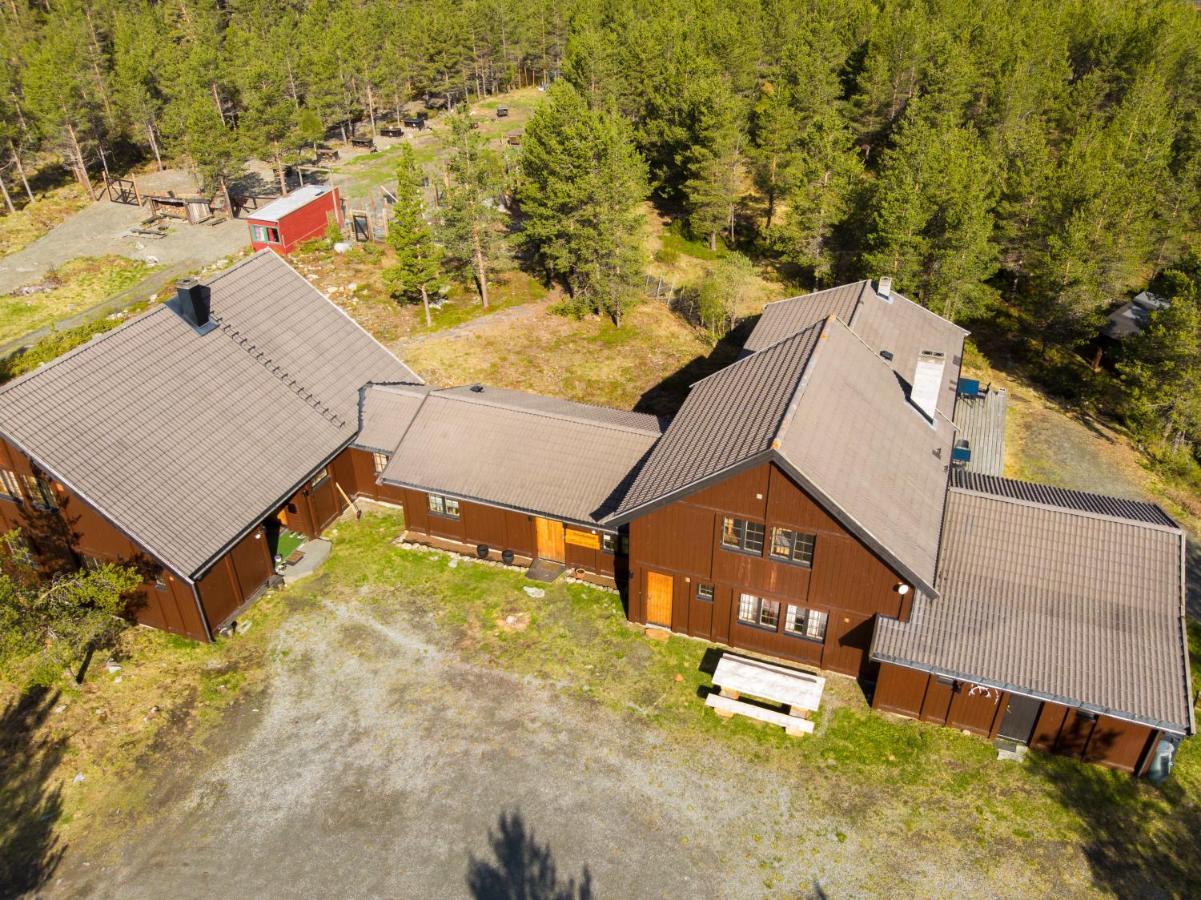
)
(658, 598)
(549, 535)
(1020, 715)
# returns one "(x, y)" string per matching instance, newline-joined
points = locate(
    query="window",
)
(381, 461)
(757, 611)
(265, 235)
(806, 623)
(739, 534)
(611, 542)
(704, 592)
(792, 546)
(10, 487)
(319, 479)
(444, 506)
(40, 493)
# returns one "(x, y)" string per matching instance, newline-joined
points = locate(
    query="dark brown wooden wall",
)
(235, 578)
(847, 581)
(77, 529)
(1059, 729)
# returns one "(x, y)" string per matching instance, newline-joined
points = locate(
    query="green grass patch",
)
(674, 242)
(73, 287)
(20, 229)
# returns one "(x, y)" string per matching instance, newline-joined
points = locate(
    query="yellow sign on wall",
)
(582, 539)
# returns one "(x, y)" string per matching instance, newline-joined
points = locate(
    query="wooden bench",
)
(726, 707)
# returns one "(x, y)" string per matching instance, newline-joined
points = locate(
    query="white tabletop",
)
(775, 683)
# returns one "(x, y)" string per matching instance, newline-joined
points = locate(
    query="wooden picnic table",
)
(799, 692)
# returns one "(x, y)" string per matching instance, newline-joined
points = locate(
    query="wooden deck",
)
(981, 421)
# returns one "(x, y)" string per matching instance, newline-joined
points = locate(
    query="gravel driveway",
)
(381, 764)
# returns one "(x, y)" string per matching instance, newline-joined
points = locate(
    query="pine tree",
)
(581, 193)
(713, 162)
(417, 256)
(472, 220)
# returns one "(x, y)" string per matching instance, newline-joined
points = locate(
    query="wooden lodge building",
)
(802, 504)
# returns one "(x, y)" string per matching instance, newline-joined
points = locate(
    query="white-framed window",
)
(792, 546)
(381, 461)
(758, 611)
(739, 534)
(444, 506)
(10, 487)
(704, 592)
(806, 623)
(264, 234)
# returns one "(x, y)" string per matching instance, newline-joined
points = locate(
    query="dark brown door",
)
(1020, 715)
(323, 499)
(252, 562)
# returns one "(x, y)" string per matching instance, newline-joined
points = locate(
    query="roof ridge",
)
(834, 287)
(546, 414)
(1071, 510)
(756, 353)
(260, 356)
(802, 382)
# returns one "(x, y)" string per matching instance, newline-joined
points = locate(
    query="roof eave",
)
(601, 525)
(1046, 696)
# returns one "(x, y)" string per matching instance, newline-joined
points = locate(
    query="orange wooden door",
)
(549, 534)
(658, 598)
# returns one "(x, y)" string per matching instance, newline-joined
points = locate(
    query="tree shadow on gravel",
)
(523, 870)
(29, 807)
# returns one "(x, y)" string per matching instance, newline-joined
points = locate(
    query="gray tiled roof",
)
(784, 318)
(1047, 495)
(827, 409)
(1059, 603)
(184, 441)
(897, 325)
(385, 413)
(538, 454)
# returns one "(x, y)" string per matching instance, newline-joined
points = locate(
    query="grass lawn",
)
(588, 360)
(20, 229)
(74, 287)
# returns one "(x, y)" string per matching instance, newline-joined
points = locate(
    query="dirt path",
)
(103, 228)
(478, 325)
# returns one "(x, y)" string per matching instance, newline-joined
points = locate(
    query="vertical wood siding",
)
(1058, 729)
(847, 581)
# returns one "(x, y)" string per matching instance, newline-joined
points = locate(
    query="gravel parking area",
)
(381, 763)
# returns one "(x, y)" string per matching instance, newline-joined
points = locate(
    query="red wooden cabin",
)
(301, 216)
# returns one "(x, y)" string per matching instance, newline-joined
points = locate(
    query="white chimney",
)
(927, 381)
(884, 288)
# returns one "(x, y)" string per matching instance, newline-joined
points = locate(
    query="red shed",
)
(298, 217)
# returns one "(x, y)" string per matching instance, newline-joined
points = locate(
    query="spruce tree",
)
(417, 256)
(581, 193)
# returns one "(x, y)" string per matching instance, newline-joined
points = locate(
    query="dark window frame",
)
(609, 543)
(794, 535)
(41, 494)
(741, 534)
(319, 479)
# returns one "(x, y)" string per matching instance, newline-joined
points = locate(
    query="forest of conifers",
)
(1044, 155)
